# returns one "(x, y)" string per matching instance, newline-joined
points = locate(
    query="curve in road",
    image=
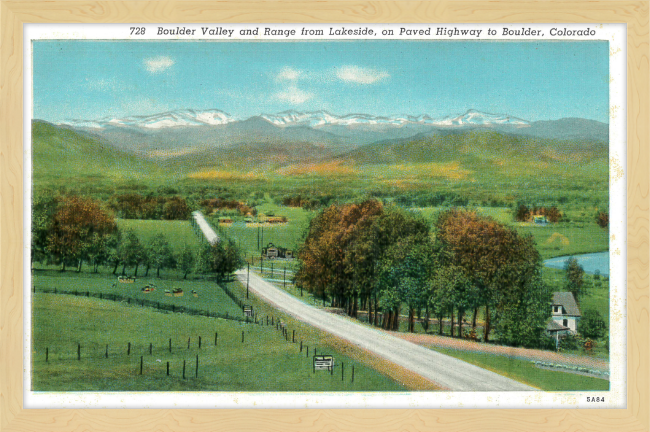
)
(449, 372)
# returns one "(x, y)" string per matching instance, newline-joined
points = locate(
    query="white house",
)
(565, 315)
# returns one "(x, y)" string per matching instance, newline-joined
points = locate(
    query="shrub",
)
(592, 325)
(569, 342)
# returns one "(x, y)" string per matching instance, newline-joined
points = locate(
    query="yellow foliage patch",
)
(557, 236)
(326, 168)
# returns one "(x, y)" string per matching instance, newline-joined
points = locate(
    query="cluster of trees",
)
(72, 230)
(385, 259)
(431, 199)
(210, 205)
(523, 213)
(307, 203)
(136, 206)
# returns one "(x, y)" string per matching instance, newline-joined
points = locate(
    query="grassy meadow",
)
(265, 361)
(177, 233)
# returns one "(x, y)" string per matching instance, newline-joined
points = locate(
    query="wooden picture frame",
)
(13, 417)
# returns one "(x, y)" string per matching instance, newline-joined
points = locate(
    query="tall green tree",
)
(405, 275)
(186, 261)
(160, 254)
(574, 278)
(130, 251)
(222, 259)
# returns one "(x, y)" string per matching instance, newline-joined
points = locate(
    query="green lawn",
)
(265, 361)
(177, 233)
(210, 296)
(526, 372)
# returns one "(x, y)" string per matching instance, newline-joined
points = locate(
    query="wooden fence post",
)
(183, 369)
(47, 354)
(128, 350)
(78, 351)
(170, 344)
(216, 335)
(199, 342)
(141, 365)
(188, 343)
(300, 346)
(150, 348)
(293, 336)
(352, 380)
(342, 370)
(242, 336)
(106, 353)
(197, 366)
(167, 368)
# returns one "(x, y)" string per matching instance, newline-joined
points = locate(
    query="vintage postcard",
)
(333, 215)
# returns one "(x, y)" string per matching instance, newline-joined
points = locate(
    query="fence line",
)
(147, 303)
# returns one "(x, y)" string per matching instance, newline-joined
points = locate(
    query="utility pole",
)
(248, 272)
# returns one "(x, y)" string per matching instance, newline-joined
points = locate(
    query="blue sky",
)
(530, 80)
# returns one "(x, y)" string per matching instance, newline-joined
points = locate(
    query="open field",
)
(265, 361)
(526, 372)
(178, 233)
(210, 296)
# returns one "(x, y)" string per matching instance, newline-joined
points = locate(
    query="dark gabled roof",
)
(555, 326)
(566, 300)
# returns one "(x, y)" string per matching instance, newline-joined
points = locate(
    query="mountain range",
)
(211, 135)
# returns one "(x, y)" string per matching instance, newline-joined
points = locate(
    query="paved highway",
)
(448, 372)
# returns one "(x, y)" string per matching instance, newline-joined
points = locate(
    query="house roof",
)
(566, 300)
(555, 326)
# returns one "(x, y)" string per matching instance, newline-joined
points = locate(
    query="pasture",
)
(178, 233)
(209, 296)
(97, 345)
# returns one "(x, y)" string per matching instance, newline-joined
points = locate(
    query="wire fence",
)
(162, 306)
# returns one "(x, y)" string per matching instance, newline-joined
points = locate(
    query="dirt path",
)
(434, 341)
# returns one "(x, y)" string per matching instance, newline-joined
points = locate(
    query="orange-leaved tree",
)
(77, 227)
(498, 261)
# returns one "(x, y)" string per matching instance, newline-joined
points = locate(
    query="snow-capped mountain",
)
(171, 119)
(477, 118)
(314, 119)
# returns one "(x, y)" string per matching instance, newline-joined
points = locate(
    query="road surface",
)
(448, 372)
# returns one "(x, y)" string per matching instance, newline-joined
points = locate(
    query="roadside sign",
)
(323, 362)
(248, 310)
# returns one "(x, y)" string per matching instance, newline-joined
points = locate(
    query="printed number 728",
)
(137, 30)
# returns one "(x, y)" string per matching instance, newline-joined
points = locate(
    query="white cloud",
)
(158, 64)
(360, 75)
(294, 95)
(288, 74)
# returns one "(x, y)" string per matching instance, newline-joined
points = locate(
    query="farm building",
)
(203, 228)
(540, 220)
(272, 251)
(565, 315)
